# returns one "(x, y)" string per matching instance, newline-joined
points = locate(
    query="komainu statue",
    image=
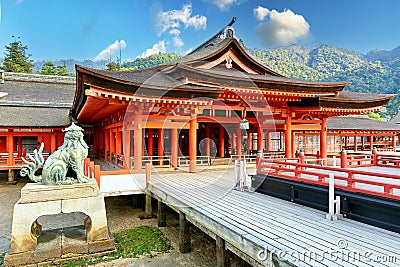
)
(70, 155)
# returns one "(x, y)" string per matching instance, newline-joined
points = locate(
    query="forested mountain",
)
(151, 61)
(376, 72)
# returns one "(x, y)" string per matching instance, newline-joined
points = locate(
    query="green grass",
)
(133, 243)
(2, 255)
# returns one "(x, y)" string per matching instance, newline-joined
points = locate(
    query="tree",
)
(16, 58)
(48, 68)
(62, 70)
(113, 66)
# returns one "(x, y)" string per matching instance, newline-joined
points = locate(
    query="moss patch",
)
(132, 243)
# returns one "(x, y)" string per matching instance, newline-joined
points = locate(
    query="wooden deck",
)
(252, 222)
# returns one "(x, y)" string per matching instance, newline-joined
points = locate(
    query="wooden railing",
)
(92, 171)
(347, 179)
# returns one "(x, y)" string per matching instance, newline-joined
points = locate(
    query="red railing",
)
(91, 170)
(347, 179)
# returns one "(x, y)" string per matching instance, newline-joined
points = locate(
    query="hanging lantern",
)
(244, 124)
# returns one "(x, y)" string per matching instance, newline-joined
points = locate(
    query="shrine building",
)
(217, 102)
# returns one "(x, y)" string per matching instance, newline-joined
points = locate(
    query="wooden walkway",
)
(252, 223)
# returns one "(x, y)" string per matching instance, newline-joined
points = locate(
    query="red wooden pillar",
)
(322, 138)
(260, 137)
(174, 148)
(355, 142)
(127, 149)
(394, 142)
(160, 148)
(208, 141)
(107, 143)
(60, 138)
(288, 137)
(192, 143)
(267, 140)
(118, 146)
(10, 148)
(150, 142)
(371, 142)
(181, 136)
(221, 141)
(138, 139)
(112, 144)
(239, 143)
(53, 144)
(19, 146)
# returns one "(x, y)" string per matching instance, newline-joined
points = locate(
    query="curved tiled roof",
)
(32, 103)
(359, 123)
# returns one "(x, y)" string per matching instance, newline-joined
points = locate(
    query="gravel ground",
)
(121, 215)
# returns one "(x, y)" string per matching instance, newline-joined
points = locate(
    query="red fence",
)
(349, 179)
(92, 171)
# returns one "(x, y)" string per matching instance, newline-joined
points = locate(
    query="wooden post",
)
(53, 144)
(394, 142)
(184, 234)
(174, 148)
(208, 141)
(192, 143)
(288, 137)
(220, 252)
(118, 146)
(138, 141)
(112, 144)
(374, 157)
(150, 142)
(371, 142)
(127, 149)
(355, 142)
(19, 146)
(343, 159)
(160, 150)
(322, 140)
(148, 208)
(162, 214)
(107, 143)
(97, 174)
(239, 143)
(10, 148)
(11, 177)
(221, 141)
(260, 137)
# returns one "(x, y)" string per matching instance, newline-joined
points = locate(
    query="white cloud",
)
(224, 5)
(282, 28)
(174, 19)
(110, 50)
(174, 32)
(178, 42)
(260, 12)
(155, 49)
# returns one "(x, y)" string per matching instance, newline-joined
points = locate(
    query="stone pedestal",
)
(38, 200)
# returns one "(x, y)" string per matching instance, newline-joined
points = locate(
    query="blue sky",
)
(86, 29)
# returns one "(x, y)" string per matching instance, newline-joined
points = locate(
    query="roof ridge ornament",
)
(229, 31)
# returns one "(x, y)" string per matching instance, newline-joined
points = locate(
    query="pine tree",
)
(48, 68)
(16, 58)
(62, 70)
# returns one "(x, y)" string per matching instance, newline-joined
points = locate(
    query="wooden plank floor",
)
(253, 222)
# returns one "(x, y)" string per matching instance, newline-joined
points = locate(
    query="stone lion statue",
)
(70, 155)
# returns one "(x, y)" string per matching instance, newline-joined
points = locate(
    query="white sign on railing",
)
(334, 203)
